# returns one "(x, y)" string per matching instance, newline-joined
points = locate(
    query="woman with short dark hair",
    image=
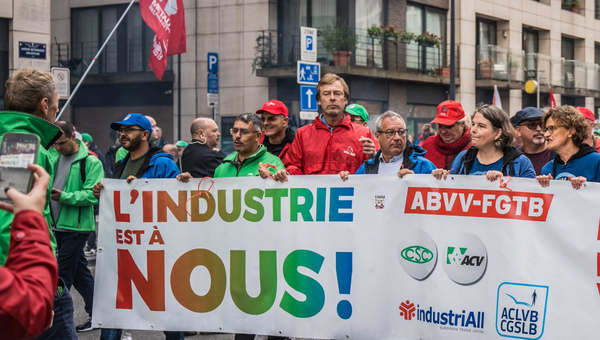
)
(491, 153)
(565, 131)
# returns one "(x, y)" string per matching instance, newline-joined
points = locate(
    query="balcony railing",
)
(569, 5)
(282, 49)
(499, 63)
(131, 56)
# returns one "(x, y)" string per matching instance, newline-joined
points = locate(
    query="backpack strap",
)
(82, 167)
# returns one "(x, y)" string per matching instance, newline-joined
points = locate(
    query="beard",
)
(134, 143)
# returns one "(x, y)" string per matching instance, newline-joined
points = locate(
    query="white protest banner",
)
(375, 257)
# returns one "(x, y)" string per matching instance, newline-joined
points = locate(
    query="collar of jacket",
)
(233, 156)
(509, 154)
(11, 121)
(453, 148)
(81, 153)
(345, 123)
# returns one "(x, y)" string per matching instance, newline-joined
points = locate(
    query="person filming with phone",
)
(29, 276)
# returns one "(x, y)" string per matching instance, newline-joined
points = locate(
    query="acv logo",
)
(417, 254)
(407, 310)
(459, 256)
(466, 258)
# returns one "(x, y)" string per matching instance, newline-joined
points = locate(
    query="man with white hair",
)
(396, 155)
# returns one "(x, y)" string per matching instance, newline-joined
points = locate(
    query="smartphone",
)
(17, 150)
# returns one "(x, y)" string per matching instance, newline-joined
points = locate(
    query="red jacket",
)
(317, 150)
(28, 279)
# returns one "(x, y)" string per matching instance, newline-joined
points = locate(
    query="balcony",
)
(278, 52)
(131, 57)
(575, 6)
(499, 63)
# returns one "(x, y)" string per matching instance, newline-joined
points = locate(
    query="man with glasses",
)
(358, 114)
(528, 126)
(277, 136)
(143, 160)
(397, 155)
(332, 143)
(249, 153)
(453, 135)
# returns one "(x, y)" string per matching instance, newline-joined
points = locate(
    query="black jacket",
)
(200, 160)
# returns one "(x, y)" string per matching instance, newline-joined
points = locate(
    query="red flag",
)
(552, 101)
(166, 18)
(158, 57)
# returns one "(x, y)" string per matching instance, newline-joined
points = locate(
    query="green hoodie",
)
(249, 166)
(48, 133)
(77, 200)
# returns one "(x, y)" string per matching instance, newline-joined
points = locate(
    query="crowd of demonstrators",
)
(93, 149)
(396, 155)
(454, 135)
(491, 153)
(172, 150)
(566, 131)
(277, 136)
(29, 276)
(528, 129)
(199, 158)
(590, 120)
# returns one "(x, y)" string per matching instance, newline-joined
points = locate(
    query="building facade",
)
(497, 43)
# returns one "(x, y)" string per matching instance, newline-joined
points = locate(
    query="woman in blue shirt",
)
(491, 154)
(565, 130)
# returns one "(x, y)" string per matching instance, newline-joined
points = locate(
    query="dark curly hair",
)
(499, 120)
(570, 118)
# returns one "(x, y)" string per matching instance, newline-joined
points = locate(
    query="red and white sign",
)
(63, 81)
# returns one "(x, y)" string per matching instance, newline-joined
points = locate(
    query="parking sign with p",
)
(308, 44)
(213, 62)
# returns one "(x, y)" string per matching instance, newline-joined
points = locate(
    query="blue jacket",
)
(514, 163)
(157, 164)
(586, 163)
(413, 159)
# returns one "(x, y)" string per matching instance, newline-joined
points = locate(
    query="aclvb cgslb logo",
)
(521, 310)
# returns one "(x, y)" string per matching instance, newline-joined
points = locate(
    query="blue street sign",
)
(308, 73)
(308, 100)
(213, 83)
(309, 43)
(213, 62)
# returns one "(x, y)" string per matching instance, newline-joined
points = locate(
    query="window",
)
(368, 13)
(128, 50)
(486, 32)
(568, 48)
(421, 19)
(530, 47)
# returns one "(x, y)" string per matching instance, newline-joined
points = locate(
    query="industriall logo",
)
(521, 310)
(448, 319)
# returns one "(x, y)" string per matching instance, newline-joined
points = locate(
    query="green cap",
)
(181, 143)
(86, 137)
(358, 110)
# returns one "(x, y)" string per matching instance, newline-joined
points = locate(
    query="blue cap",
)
(133, 119)
(528, 113)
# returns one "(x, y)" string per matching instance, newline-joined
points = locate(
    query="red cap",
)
(275, 107)
(449, 112)
(587, 113)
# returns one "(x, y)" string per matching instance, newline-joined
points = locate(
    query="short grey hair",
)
(390, 115)
(251, 118)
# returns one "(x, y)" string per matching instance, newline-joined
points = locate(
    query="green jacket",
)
(249, 166)
(77, 200)
(48, 133)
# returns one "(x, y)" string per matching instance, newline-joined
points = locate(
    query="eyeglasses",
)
(356, 119)
(532, 125)
(243, 132)
(392, 133)
(128, 130)
(271, 118)
(551, 128)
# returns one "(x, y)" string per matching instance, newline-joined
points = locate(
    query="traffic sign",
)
(308, 115)
(63, 81)
(308, 44)
(212, 99)
(531, 86)
(213, 83)
(213, 62)
(308, 73)
(308, 100)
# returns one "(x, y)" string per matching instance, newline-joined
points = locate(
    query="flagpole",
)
(94, 60)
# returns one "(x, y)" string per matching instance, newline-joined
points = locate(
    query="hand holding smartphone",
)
(17, 151)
